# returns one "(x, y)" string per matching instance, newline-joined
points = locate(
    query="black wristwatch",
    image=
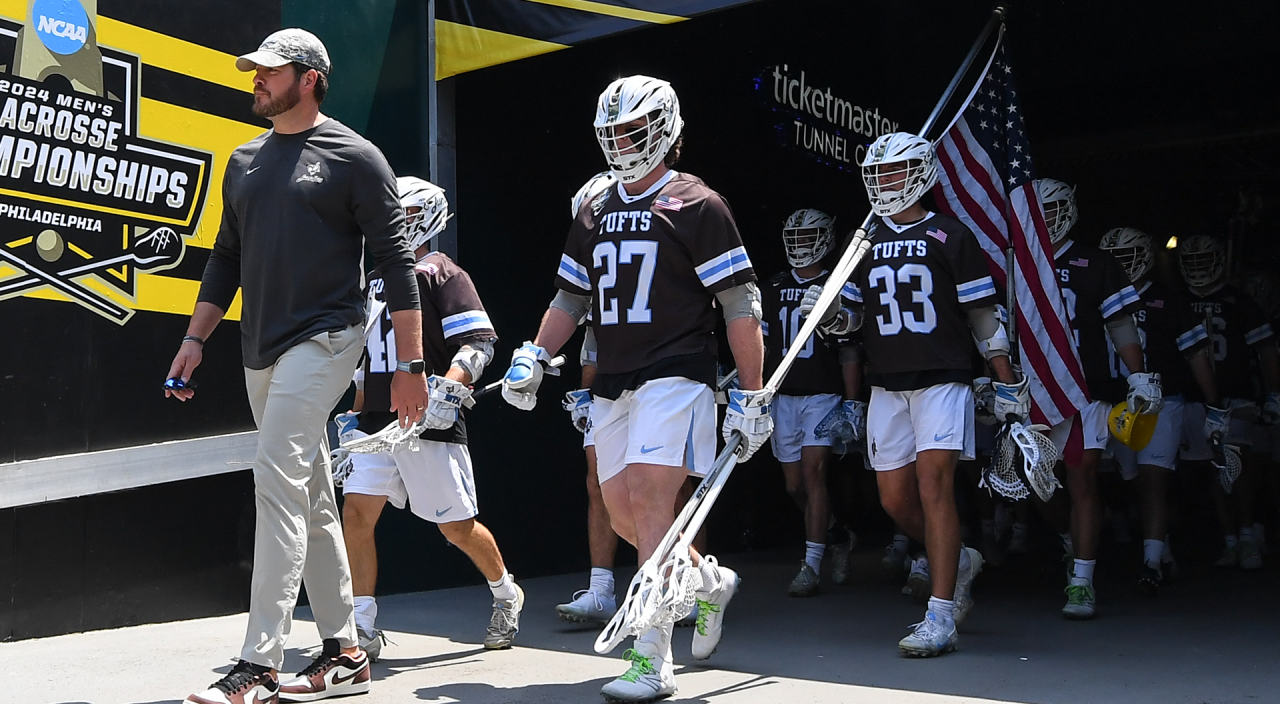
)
(413, 367)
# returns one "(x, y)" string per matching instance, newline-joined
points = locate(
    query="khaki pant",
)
(299, 532)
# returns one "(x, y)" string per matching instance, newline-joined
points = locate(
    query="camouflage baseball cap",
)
(286, 46)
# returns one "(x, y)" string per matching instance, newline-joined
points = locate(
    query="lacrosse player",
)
(925, 282)
(1100, 303)
(814, 388)
(433, 472)
(655, 251)
(1163, 316)
(597, 603)
(302, 203)
(1238, 325)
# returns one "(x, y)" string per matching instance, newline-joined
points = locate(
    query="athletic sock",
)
(1230, 540)
(504, 588)
(900, 543)
(602, 581)
(366, 613)
(1152, 553)
(813, 554)
(1084, 569)
(1067, 545)
(943, 609)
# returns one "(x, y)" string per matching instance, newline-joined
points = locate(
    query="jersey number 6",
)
(609, 256)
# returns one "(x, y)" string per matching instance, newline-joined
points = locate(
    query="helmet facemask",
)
(1203, 261)
(1132, 248)
(425, 208)
(898, 170)
(637, 123)
(1058, 202)
(807, 237)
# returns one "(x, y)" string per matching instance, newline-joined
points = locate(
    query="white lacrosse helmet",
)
(593, 187)
(1132, 248)
(1058, 201)
(1202, 259)
(432, 212)
(921, 171)
(807, 236)
(635, 98)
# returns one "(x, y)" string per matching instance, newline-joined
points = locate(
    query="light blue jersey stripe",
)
(975, 289)
(574, 273)
(722, 266)
(1258, 334)
(1117, 302)
(1190, 338)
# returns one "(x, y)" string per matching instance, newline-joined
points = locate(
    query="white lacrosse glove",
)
(1012, 400)
(339, 457)
(1270, 409)
(1216, 421)
(444, 397)
(1146, 396)
(810, 301)
(748, 413)
(578, 403)
(520, 384)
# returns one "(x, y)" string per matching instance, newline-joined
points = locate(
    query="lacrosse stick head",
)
(1226, 460)
(160, 249)
(1023, 459)
(387, 439)
(657, 595)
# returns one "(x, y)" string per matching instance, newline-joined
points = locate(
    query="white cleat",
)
(588, 606)
(964, 585)
(929, 638)
(711, 607)
(648, 680)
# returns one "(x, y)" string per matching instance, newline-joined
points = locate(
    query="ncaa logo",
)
(61, 25)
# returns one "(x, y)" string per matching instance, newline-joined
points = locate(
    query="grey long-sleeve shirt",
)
(295, 208)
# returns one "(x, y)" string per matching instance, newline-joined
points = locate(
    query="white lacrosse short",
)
(1093, 424)
(1240, 432)
(434, 477)
(794, 419)
(668, 421)
(901, 424)
(1162, 450)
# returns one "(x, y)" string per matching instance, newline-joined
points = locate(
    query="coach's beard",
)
(266, 106)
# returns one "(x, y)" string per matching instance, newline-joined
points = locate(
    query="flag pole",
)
(997, 16)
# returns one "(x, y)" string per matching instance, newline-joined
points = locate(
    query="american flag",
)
(668, 203)
(985, 181)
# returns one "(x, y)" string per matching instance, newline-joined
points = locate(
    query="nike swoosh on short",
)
(939, 438)
(251, 170)
(440, 513)
(646, 450)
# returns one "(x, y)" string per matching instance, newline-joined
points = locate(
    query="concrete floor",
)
(1208, 638)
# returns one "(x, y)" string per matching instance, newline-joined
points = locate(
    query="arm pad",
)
(587, 358)
(988, 332)
(472, 358)
(740, 301)
(576, 305)
(1123, 331)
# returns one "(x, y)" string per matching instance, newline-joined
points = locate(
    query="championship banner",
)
(101, 188)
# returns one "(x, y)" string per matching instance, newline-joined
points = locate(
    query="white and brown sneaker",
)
(246, 684)
(332, 674)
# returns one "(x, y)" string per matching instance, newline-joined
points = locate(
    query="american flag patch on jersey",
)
(666, 202)
(937, 235)
(1079, 262)
(1155, 303)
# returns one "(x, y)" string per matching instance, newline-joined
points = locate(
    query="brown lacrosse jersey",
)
(816, 370)
(653, 265)
(1096, 290)
(916, 283)
(452, 316)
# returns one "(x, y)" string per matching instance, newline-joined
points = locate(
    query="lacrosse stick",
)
(663, 587)
(1011, 478)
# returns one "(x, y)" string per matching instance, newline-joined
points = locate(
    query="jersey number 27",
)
(628, 252)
